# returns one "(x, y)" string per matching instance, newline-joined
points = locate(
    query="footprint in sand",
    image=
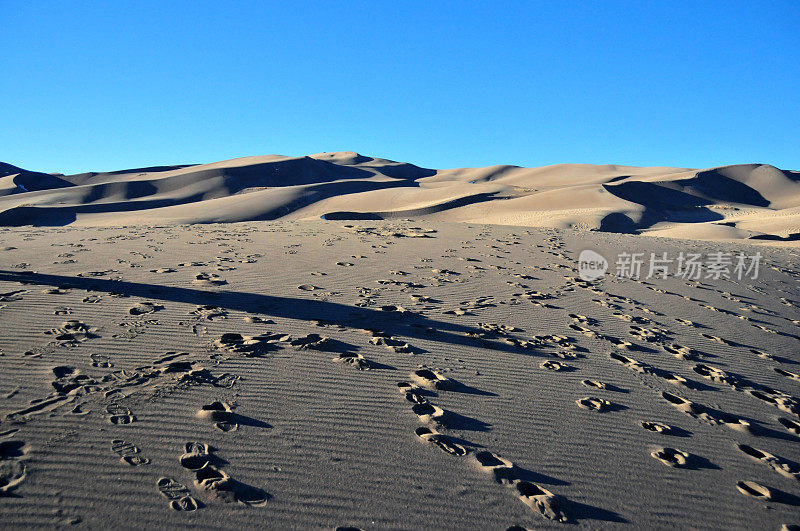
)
(219, 484)
(177, 494)
(565, 354)
(211, 478)
(644, 368)
(103, 273)
(777, 398)
(790, 425)
(163, 270)
(143, 308)
(679, 351)
(68, 379)
(588, 321)
(429, 413)
(707, 414)
(651, 335)
(13, 450)
(422, 299)
(458, 311)
(209, 312)
(541, 500)
(72, 332)
(312, 342)
(715, 339)
(221, 414)
(657, 427)
(583, 330)
(779, 465)
(552, 365)
(250, 346)
(593, 384)
(10, 296)
(307, 287)
(395, 345)
(209, 279)
(393, 308)
(196, 456)
(754, 490)
(8, 433)
(119, 414)
(787, 374)
(55, 291)
(443, 442)
(101, 361)
(12, 473)
(762, 354)
(714, 374)
(412, 392)
(502, 470)
(498, 329)
(671, 457)
(630, 363)
(431, 380)
(254, 319)
(356, 360)
(594, 404)
(128, 453)
(78, 410)
(619, 343)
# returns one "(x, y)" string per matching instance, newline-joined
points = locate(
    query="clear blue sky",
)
(113, 84)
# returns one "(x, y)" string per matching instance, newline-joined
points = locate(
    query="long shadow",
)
(244, 420)
(456, 421)
(698, 462)
(380, 366)
(780, 496)
(793, 237)
(459, 387)
(536, 477)
(415, 326)
(583, 511)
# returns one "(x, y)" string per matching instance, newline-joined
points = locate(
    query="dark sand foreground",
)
(243, 375)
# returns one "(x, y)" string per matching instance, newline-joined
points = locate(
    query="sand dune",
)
(373, 346)
(386, 375)
(748, 201)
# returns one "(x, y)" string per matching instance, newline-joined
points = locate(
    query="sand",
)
(382, 373)
(388, 375)
(746, 201)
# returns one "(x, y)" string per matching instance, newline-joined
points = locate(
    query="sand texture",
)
(392, 374)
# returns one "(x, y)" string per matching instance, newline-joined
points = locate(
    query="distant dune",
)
(747, 201)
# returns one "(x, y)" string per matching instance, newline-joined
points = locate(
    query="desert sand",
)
(341, 341)
(746, 201)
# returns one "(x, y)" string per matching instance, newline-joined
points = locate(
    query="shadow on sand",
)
(413, 326)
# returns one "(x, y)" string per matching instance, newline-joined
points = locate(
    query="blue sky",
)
(112, 85)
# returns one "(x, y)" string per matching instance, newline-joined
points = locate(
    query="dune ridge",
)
(746, 201)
